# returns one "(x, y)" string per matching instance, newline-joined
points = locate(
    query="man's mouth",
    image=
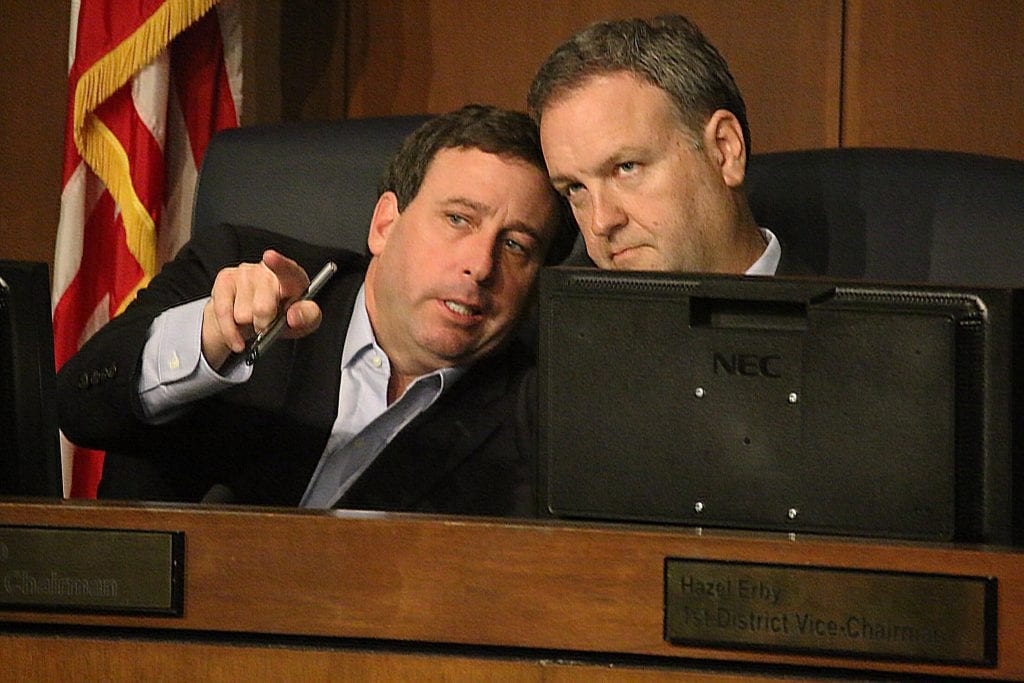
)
(621, 252)
(462, 309)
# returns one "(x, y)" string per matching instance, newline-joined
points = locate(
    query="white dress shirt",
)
(768, 262)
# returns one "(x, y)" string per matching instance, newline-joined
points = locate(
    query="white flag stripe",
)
(230, 19)
(176, 220)
(149, 95)
(69, 232)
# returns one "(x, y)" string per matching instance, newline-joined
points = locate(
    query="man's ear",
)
(384, 216)
(723, 138)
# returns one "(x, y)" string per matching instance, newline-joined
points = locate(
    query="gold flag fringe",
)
(99, 147)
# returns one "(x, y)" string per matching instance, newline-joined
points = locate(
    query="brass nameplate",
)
(79, 570)
(927, 618)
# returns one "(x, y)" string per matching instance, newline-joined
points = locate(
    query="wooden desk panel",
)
(59, 658)
(556, 587)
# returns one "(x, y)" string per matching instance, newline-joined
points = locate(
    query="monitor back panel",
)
(29, 451)
(763, 404)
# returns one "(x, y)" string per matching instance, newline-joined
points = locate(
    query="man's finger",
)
(292, 279)
(222, 298)
(303, 318)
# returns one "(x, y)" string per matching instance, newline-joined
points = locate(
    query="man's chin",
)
(462, 352)
(635, 259)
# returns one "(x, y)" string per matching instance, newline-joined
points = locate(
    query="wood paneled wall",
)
(435, 55)
(942, 74)
(33, 88)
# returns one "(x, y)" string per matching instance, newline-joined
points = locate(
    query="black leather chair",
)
(895, 215)
(877, 214)
(313, 181)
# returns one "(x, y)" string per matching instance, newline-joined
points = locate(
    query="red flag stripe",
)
(141, 150)
(87, 472)
(115, 163)
(107, 270)
(71, 156)
(101, 31)
(197, 59)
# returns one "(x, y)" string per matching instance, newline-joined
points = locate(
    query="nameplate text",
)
(926, 618)
(91, 570)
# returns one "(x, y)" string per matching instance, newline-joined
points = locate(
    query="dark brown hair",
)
(475, 126)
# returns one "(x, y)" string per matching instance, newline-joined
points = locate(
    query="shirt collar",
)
(360, 337)
(360, 333)
(768, 263)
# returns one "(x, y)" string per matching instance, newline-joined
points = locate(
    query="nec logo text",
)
(747, 365)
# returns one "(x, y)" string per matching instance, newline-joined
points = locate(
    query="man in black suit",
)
(645, 132)
(407, 397)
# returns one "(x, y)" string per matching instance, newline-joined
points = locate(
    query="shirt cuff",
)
(174, 371)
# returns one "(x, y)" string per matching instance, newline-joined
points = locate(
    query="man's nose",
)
(477, 256)
(607, 214)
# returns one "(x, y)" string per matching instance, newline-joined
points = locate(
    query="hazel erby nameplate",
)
(927, 618)
(91, 570)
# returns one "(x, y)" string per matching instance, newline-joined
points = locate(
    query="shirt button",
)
(376, 361)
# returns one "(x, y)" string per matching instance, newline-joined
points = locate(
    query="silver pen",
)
(265, 338)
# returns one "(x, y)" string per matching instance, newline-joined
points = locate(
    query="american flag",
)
(150, 81)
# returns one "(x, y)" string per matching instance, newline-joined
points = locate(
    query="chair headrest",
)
(895, 214)
(313, 181)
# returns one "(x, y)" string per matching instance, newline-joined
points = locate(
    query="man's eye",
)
(572, 189)
(457, 220)
(516, 247)
(627, 166)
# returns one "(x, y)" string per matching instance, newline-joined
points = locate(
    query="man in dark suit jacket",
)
(464, 221)
(645, 132)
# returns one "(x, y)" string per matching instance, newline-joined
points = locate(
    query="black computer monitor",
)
(781, 404)
(29, 442)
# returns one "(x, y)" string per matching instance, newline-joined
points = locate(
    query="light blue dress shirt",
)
(366, 424)
(175, 373)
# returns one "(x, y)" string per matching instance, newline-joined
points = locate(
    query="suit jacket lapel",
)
(431, 447)
(791, 264)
